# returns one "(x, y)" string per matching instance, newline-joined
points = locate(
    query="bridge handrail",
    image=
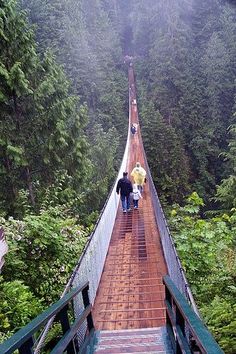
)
(23, 339)
(92, 260)
(179, 316)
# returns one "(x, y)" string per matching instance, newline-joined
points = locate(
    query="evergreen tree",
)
(86, 42)
(102, 166)
(186, 67)
(18, 65)
(168, 162)
(41, 130)
(226, 191)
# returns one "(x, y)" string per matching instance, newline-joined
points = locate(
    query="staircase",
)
(148, 340)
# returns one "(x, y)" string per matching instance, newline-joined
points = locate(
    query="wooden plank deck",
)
(131, 293)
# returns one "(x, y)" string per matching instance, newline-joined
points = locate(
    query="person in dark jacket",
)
(133, 129)
(124, 188)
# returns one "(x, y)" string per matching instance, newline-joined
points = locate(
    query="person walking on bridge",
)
(133, 129)
(136, 195)
(124, 188)
(139, 175)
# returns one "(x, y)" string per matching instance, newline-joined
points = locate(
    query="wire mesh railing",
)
(92, 260)
(174, 266)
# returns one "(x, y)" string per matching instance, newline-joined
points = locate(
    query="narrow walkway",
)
(131, 294)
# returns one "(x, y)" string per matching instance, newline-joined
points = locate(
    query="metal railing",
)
(91, 263)
(179, 316)
(174, 266)
(23, 340)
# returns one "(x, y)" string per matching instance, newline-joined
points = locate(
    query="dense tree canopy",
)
(186, 66)
(41, 122)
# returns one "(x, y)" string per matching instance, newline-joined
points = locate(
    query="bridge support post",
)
(26, 348)
(86, 302)
(65, 324)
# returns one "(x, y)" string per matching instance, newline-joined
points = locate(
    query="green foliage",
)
(226, 191)
(105, 145)
(42, 123)
(220, 316)
(207, 251)
(83, 39)
(43, 250)
(62, 193)
(18, 306)
(185, 67)
(166, 156)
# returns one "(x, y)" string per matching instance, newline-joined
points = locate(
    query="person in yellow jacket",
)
(139, 175)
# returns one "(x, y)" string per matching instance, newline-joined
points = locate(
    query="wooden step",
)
(149, 340)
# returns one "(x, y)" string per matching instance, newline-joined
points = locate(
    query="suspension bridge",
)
(128, 291)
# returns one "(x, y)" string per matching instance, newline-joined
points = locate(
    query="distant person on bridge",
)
(136, 195)
(139, 175)
(124, 188)
(132, 91)
(133, 129)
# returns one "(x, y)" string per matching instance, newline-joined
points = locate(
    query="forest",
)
(63, 113)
